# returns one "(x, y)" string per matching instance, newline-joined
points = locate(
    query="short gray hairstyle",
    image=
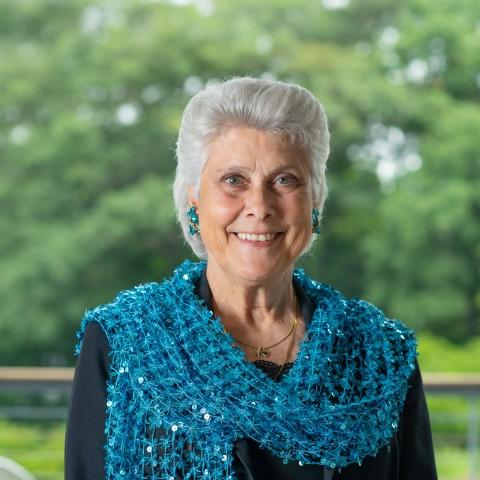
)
(283, 108)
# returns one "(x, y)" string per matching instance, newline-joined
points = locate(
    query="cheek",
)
(301, 230)
(217, 213)
(299, 219)
(298, 210)
(298, 238)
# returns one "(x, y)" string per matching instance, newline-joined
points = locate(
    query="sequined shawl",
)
(176, 371)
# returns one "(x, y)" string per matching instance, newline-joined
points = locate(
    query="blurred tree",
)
(423, 259)
(92, 94)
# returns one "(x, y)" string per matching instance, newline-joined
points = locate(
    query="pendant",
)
(262, 353)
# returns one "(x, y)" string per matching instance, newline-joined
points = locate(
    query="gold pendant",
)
(262, 353)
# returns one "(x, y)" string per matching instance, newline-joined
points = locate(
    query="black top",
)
(411, 450)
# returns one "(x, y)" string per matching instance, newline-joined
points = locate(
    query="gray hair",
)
(274, 106)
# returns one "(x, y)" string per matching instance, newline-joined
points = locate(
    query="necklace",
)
(289, 351)
(264, 352)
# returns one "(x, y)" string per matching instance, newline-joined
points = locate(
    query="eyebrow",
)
(245, 169)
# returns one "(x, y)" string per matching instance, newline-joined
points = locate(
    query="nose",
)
(259, 202)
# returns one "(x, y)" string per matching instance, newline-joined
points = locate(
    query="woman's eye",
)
(233, 180)
(286, 180)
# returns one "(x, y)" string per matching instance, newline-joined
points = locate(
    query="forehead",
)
(249, 147)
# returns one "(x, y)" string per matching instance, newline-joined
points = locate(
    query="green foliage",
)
(449, 413)
(452, 463)
(92, 94)
(37, 447)
(434, 235)
(437, 354)
(427, 238)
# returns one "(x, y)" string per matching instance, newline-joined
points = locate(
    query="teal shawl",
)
(179, 393)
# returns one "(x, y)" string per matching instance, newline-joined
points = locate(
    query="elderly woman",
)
(240, 366)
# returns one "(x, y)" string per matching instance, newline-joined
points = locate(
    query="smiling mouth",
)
(262, 237)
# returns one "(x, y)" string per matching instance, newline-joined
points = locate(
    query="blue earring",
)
(192, 215)
(315, 221)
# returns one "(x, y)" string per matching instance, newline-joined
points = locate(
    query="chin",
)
(255, 272)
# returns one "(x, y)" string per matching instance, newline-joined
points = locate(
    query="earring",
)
(315, 221)
(192, 215)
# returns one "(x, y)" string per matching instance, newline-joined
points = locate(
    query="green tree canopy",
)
(92, 94)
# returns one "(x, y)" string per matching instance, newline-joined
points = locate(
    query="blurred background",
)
(91, 98)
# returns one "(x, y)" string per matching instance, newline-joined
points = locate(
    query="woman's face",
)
(254, 183)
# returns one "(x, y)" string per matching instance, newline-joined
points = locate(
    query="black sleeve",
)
(417, 459)
(85, 437)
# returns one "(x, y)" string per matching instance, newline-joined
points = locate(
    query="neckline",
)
(273, 364)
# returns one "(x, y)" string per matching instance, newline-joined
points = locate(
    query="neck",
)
(256, 305)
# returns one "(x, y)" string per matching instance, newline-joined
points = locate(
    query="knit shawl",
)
(180, 392)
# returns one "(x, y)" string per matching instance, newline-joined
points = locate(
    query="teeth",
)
(256, 238)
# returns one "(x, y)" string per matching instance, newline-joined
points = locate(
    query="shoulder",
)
(359, 312)
(363, 312)
(360, 319)
(134, 310)
(93, 353)
(129, 307)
